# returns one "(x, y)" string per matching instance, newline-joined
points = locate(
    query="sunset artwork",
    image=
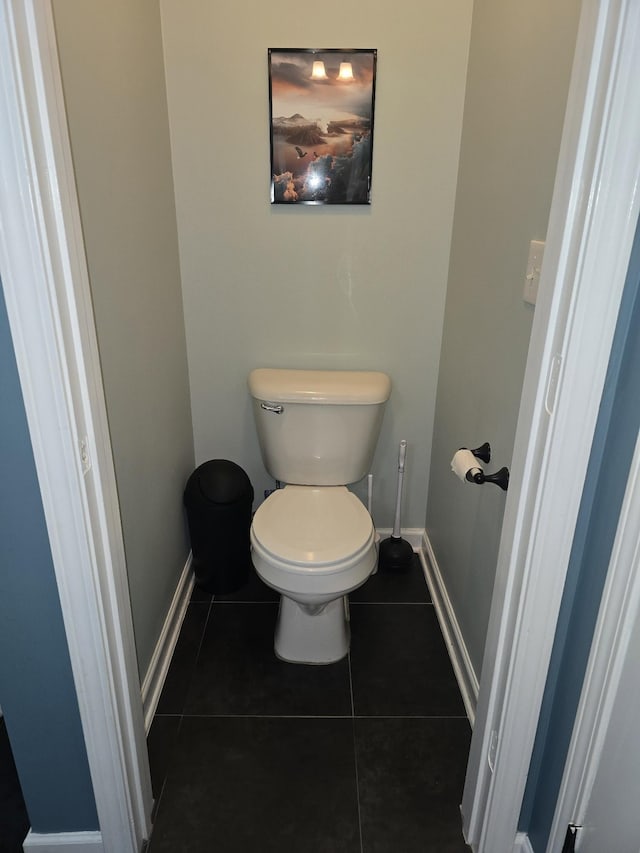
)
(321, 113)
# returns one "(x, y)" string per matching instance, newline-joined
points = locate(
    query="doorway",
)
(529, 447)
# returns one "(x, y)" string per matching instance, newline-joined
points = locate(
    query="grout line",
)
(357, 779)
(355, 753)
(390, 603)
(412, 717)
(194, 664)
(268, 716)
(227, 601)
(158, 802)
(319, 716)
(353, 709)
(204, 631)
(351, 603)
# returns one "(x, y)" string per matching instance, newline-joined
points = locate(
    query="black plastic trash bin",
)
(218, 498)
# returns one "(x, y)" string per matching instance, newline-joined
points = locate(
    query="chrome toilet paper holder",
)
(500, 478)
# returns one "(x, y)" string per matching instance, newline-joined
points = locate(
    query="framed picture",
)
(321, 118)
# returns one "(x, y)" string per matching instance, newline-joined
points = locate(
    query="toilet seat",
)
(314, 545)
(312, 530)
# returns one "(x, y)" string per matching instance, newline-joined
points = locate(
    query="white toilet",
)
(313, 540)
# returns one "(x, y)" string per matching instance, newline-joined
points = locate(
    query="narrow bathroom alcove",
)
(190, 287)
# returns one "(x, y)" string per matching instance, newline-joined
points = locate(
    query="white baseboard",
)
(462, 666)
(163, 652)
(522, 843)
(413, 535)
(61, 842)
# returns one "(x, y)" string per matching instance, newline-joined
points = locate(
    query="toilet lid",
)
(312, 527)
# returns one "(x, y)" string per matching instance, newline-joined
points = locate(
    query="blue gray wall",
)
(37, 692)
(611, 454)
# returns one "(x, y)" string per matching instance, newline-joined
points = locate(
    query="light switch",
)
(532, 278)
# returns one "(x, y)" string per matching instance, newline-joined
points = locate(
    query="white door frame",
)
(592, 223)
(44, 273)
(45, 280)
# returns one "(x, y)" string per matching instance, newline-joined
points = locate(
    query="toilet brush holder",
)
(396, 554)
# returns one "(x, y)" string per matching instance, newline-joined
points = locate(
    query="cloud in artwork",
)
(284, 188)
(287, 75)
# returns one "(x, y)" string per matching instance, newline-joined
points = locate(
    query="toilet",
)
(313, 540)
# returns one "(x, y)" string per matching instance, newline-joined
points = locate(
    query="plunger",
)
(396, 555)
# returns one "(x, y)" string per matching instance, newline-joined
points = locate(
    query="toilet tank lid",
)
(339, 387)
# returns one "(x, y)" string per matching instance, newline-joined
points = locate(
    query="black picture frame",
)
(321, 111)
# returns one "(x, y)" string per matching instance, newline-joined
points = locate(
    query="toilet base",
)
(302, 636)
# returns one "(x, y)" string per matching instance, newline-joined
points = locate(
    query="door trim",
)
(591, 227)
(45, 280)
(63, 842)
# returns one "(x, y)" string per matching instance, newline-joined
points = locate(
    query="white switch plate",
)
(532, 278)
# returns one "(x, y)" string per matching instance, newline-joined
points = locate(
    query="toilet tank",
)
(318, 427)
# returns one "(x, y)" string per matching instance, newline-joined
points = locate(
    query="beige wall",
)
(113, 77)
(344, 287)
(519, 67)
(353, 287)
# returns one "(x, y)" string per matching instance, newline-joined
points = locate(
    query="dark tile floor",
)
(14, 822)
(253, 755)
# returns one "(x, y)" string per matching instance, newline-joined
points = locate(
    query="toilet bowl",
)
(313, 541)
(313, 546)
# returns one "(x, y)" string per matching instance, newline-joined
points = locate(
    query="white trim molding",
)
(63, 842)
(45, 281)
(591, 228)
(522, 843)
(161, 659)
(413, 535)
(451, 631)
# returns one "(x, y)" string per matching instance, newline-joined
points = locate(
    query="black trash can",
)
(218, 499)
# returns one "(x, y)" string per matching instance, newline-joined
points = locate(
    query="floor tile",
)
(410, 780)
(161, 742)
(255, 590)
(384, 587)
(238, 673)
(399, 662)
(200, 595)
(254, 784)
(184, 659)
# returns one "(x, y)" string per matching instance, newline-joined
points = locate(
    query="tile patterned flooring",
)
(366, 755)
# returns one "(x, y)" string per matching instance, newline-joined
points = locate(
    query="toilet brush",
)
(396, 555)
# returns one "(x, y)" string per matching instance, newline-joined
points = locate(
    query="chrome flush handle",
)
(272, 407)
